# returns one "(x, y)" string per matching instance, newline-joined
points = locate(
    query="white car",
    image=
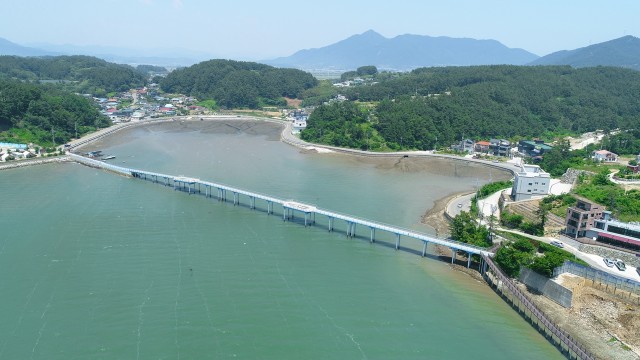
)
(608, 262)
(620, 265)
(557, 243)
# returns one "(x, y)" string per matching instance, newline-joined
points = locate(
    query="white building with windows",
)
(531, 181)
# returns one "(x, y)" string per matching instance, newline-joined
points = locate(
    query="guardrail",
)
(595, 275)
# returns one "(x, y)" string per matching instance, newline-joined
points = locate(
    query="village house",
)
(581, 217)
(500, 147)
(482, 147)
(533, 148)
(604, 156)
(466, 145)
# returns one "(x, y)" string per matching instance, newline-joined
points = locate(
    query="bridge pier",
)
(182, 183)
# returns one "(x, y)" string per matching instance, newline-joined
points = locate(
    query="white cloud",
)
(177, 4)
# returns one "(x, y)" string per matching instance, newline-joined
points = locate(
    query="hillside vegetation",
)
(29, 112)
(83, 74)
(433, 107)
(236, 84)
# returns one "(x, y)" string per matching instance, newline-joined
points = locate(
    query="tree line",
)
(237, 84)
(434, 107)
(78, 73)
(43, 114)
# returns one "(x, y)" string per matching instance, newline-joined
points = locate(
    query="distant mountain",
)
(404, 52)
(9, 48)
(622, 52)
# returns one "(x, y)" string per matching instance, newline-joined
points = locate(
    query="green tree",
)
(465, 229)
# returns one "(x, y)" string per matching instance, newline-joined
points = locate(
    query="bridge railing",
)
(388, 227)
(571, 344)
(409, 232)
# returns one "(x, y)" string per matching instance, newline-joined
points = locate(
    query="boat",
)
(108, 157)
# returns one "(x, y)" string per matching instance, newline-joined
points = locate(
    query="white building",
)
(298, 125)
(604, 155)
(531, 181)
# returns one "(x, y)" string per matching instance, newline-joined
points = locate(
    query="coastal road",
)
(594, 261)
(459, 204)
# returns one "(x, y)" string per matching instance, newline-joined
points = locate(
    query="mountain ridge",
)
(404, 52)
(621, 52)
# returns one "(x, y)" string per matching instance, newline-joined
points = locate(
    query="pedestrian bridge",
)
(289, 208)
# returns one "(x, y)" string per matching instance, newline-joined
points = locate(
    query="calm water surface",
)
(94, 265)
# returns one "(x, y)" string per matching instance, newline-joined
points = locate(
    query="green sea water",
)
(99, 266)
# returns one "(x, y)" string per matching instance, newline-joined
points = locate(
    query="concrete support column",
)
(453, 255)
(424, 248)
(468, 260)
(353, 231)
(373, 235)
(269, 207)
(330, 223)
(253, 202)
(397, 241)
(306, 215)
(284, 213)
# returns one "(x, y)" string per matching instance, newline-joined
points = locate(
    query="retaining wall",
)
(547, 287)
(602, 251)
(598, 276)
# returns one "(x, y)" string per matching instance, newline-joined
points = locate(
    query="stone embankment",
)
(605, 252)
(39, 161)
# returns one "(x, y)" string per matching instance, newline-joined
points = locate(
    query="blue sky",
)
(252, 29)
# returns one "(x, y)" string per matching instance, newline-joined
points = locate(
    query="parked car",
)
(620, 265)
(608, 262)
(557, 243)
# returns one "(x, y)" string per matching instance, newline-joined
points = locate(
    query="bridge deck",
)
(456, 245)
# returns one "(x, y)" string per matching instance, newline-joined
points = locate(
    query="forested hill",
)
(621, 52)
(83, 74)
(436, 106)
(29, 112)
(235, 84)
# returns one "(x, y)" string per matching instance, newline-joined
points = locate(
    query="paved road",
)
(459, 204)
